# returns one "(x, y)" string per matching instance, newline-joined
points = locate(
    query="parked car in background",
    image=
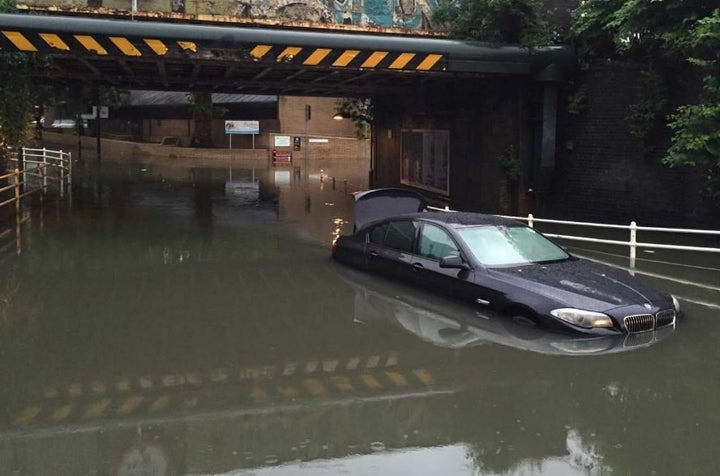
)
(498, 264)
(66, 124)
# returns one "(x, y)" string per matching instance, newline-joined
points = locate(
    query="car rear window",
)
(377, 234)
(401, 235)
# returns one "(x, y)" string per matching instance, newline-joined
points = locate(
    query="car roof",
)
(459, 219)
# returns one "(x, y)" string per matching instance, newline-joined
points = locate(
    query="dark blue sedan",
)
(499, 264)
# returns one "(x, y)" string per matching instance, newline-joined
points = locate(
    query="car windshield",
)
(506, 246)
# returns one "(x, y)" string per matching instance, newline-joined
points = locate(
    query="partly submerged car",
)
(499, 264)
(451, 324)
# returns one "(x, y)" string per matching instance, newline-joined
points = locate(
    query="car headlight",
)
(676, 304)
(581, 318)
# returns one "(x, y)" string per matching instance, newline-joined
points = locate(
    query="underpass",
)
(182, 323)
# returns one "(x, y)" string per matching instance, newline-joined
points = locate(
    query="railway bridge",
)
(445, 110)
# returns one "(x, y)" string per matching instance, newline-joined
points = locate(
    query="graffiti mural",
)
(414, 14)
(402, 14)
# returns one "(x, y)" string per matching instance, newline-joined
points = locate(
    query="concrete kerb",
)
(115, 150)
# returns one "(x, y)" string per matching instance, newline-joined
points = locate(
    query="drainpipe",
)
(551, 78)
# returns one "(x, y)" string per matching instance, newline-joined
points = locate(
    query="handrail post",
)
(21, 168)
(16, 189)
(43, 178)
(530, 220)
(18, 218)
(61, 182)
(633, 243)
(44, 184)
(69, 176)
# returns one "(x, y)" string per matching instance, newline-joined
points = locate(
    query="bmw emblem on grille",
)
(647, 306)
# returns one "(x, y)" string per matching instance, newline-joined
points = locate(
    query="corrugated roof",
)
(159, 98)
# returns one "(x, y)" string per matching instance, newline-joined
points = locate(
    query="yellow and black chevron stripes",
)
(223, 376)
(304, 56)
(256, 392)
(91, 44)
(348, 58)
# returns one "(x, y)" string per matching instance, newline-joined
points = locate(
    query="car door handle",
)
(418, 267)
(373, 254)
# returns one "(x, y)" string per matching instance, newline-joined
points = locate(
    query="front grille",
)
(648, 322)
(665, 318)
(639, 323)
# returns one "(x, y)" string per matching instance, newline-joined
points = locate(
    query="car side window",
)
(436, 243)
(377, 234)
(401, 235)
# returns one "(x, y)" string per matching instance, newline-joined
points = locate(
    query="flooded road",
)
(191, 322)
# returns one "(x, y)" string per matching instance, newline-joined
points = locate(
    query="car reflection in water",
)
(451, 324)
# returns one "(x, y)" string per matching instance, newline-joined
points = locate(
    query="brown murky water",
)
(191, 322)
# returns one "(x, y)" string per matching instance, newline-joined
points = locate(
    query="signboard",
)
(242, 127)
(281, 158)
(282, 141)
(104, 113)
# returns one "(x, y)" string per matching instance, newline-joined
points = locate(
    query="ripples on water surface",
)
(193, 323)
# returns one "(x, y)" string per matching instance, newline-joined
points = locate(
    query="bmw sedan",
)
(500, 265)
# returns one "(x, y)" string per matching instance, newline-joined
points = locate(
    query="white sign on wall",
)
(242, 127)
(104, 113)
(282, 141)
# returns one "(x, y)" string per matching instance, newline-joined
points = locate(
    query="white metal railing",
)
(47, 166)
(632, 228)
(34, 171)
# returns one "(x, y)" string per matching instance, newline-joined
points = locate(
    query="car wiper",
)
(558, 260)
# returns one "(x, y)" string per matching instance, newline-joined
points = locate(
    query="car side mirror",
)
(454, 262)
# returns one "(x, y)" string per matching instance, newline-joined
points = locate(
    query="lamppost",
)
(306, 172)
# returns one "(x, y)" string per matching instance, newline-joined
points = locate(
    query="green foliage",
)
(636, 29)
(510, 163)
(696, 139)
(15, 93)
(577, 100)
(16, 104)
(696, 127)
(8, 6)
(649, 107)
(669, 37)
(360, 111)
(202, 108)
(506, 21)
(112, 96)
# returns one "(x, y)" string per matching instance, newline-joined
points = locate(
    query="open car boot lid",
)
(382, 203)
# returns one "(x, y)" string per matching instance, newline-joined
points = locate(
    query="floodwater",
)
(191, 322)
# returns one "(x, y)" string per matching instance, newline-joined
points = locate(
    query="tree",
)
(359, 110)
(669, 38)
(506, 21)
(203, 112)
(16, 105)
(696, 127)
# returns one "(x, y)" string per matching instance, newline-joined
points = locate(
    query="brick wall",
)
(483, 118)
(605, 174)
(291, 113)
